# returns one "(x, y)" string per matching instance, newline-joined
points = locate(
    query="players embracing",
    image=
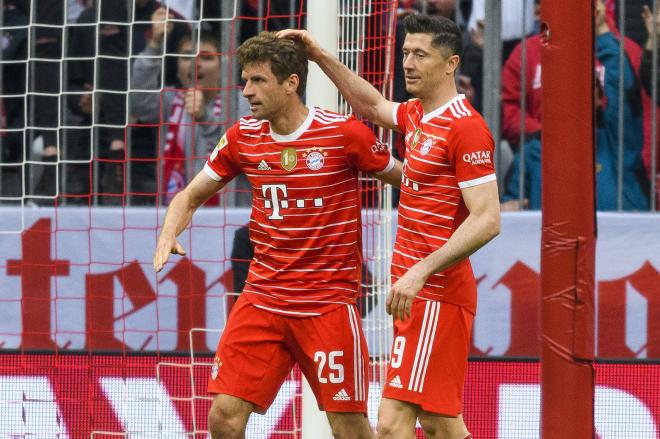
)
(298, 304)
(448, 209)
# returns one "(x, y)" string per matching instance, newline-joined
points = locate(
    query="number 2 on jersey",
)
(336, 374)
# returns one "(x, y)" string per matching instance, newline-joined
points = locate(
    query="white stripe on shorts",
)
(435, 327)
(358, 364)
(424, 346)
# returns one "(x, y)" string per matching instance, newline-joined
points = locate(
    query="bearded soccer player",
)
(298, 304)
(448, 209)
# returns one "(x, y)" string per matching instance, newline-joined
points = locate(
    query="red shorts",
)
(258, 349)
(429, 357)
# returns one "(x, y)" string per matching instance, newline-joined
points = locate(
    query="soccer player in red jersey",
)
(298, 304)
(448, 209)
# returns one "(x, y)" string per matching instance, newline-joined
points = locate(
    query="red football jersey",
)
(447, 149)
(305, 223)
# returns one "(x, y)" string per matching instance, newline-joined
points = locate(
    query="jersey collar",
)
(298, 132)
(438, 111)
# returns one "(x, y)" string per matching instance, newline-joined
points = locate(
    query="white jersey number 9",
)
(397, 351)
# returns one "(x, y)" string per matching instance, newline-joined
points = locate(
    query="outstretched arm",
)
(179, 214)
(365, 100)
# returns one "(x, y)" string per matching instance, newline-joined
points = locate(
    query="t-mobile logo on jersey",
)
(277, 202)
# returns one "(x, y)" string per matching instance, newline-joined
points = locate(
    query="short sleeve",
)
(222, 164)
(471, 150)
(363, 150)
(399, 113)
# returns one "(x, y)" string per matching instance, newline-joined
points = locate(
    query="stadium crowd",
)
(115, 103)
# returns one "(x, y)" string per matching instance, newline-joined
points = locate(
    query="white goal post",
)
(344, 37)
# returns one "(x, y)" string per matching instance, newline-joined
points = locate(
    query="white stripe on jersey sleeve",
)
(394, 110)
(477, 181)
(389, 167)
(211, 173)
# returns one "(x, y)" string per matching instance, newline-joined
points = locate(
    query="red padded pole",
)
(569, 221)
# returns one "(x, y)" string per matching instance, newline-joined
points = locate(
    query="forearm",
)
(393, 176)
(469, 237)
(179, 214)
(359, 93)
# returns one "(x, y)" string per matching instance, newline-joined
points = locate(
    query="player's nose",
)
(247, 89)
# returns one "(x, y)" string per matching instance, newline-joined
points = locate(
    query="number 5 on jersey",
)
(336, 370)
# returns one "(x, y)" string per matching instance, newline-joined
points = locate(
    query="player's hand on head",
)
(400, 299)
(163, 249)
(314, 51)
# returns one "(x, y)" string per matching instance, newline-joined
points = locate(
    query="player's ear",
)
(292, 83)
(452, 64)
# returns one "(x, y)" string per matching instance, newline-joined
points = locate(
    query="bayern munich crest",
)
(426, 146)
(315, 159)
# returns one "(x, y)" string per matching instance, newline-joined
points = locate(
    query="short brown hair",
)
(286, 56)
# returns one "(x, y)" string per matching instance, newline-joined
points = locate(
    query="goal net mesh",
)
(101, 124)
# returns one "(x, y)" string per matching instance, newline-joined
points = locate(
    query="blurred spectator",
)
(142, 29)
(105, 72)
(607, 100)
(470, 78)
(260, 15)
(512, 21)
(511, 119)
(652, 25)
(14, 48)
(192, 116)
(632, 17)
(96, 82)
(43, 94)
(143, 149)
(445, 8)
(73, 9)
